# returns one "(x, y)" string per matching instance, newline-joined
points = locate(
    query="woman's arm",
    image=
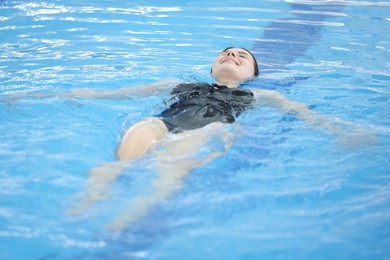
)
(134, 91)
(352, 134)
(277, 100)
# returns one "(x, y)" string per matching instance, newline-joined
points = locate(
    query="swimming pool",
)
(284, 189)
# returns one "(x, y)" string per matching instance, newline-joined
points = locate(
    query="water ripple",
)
(284, 184)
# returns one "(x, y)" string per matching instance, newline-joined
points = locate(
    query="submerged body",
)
(199, 104)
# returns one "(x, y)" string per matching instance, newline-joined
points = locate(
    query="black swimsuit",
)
(198, 104)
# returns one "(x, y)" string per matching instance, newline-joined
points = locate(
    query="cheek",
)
(212, 69)
(215, 66)
(248, 70)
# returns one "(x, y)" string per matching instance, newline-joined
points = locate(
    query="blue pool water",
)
(285, 189)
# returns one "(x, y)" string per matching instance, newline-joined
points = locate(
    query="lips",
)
(228, 59)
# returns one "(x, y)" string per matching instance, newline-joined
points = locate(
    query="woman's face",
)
(233, 65)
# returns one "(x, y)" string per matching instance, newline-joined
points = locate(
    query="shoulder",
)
(265, 93)
(270, 97)
(241, 92)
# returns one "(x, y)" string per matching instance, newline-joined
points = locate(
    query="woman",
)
(200, 103)
(198, 113)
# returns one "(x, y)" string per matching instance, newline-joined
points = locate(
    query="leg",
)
(173, 163)
(136, 142)
(139, 138)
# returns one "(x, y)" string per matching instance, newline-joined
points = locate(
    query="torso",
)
(198, 104)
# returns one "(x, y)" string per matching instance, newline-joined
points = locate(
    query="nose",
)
(231, 53)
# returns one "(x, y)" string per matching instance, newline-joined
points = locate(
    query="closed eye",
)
(243, 55)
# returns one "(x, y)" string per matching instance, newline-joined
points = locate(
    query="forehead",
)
(236, 49)
(239, 50)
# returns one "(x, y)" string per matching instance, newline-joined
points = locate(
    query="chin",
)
(228, 73)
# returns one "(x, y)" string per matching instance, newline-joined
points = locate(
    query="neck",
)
(229, 84)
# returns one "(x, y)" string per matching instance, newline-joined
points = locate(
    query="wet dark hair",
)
(256, 66)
